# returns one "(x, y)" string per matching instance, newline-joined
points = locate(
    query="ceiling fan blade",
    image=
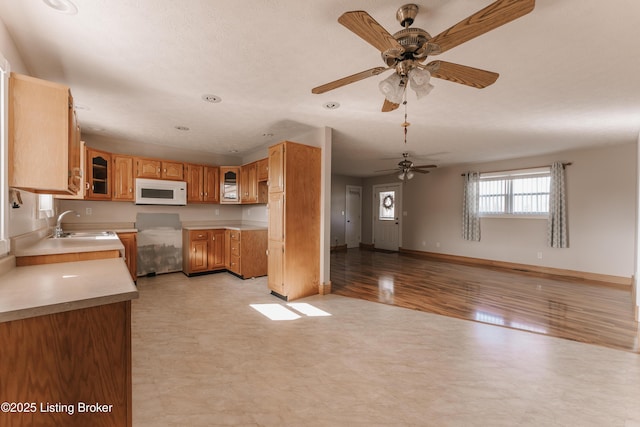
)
(387, 170)
(348, 80)
(368, 29)
(419, 171)
(389, 106)
(462, 74)
(425, 166)
(483, 21)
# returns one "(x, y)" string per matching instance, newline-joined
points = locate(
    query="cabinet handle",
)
(213, 238)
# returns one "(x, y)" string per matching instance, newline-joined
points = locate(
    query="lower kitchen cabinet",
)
(203, 250)
(130, 242)
(243, 253)
(79, 358)
(246, 252)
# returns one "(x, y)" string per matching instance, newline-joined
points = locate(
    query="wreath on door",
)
(387, 202)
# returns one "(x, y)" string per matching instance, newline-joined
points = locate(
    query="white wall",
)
(339, 205)
(601, 188)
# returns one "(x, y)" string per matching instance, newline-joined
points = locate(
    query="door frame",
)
(374, 210)
(350, 188)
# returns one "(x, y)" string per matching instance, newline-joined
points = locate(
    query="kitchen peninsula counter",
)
(53, 288)
(66, 334)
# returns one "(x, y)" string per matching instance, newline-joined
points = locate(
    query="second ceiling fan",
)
(406, 51)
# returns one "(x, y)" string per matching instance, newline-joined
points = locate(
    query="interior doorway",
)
(353, 217)
(387, 216)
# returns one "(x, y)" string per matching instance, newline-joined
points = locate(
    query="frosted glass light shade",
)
(419, 81)
(391, 88)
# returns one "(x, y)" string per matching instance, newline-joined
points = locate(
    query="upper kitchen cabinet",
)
(253, 182)
(263, 169)
(44, 137)
(202, 184)
(249, 183)
(159, 169)
(229, 184)
(98, 179)
(123, 184)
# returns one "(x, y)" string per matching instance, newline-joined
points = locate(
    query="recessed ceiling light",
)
(214, 99)
(331, 105)
(62, 6)
(233, 151)
(267, 135)
(182, 128)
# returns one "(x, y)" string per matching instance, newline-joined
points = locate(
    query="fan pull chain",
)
(406, 124)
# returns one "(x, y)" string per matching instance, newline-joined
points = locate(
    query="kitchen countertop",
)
(49, 246)
(54, 288)
(240, 227)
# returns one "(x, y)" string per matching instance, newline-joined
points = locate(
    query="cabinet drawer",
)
(234, 247)
(198, 235)
(234, 264)
(234, 235)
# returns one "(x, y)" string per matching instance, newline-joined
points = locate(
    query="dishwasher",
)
(159, 243)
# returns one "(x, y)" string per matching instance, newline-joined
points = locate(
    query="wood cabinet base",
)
(66, 364)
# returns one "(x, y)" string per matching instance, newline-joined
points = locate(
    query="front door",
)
(387, 211)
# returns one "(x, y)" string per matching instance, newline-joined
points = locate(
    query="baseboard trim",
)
(620, 282)
(339, 248)
(324, 288)
(367, 247)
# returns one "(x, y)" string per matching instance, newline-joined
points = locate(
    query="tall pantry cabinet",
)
(294, 220)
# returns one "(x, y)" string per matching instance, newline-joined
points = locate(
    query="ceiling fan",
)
(407, 50)
(406, 168)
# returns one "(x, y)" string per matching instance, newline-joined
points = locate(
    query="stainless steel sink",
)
(95, 235)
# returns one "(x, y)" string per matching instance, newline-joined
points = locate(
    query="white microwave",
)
(160, 192)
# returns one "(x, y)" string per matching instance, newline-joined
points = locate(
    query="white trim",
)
(4, 154)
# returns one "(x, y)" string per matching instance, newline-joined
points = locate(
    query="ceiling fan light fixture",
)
(392, 88)
(419, 82)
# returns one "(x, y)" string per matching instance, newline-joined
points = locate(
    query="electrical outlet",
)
(437, 244)
(88, 211)
(539, 255)
(216, 212)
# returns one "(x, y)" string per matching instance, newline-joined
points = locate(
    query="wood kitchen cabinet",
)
(202, 184)
(253, 184)
(123, 183)
(44, 137)
(98, 170)
(249, 183)
(230, 184)
(294, 220)
(159, 169)
(263, 169)
(130, 242)
(246, 252)
(203, 250)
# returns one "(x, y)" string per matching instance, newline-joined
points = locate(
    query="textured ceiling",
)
(569, 76)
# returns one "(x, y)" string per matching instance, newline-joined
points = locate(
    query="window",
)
(387, 206)
(522, 192)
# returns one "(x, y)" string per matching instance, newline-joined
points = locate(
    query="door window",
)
(387, 210)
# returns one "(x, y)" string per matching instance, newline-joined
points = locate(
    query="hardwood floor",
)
(586, 312)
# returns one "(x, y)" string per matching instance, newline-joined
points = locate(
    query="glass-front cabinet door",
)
(229, 184)
(99, 174)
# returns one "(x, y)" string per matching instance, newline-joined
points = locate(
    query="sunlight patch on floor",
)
(280, 312)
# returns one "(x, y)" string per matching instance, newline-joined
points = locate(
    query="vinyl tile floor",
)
(203, 355)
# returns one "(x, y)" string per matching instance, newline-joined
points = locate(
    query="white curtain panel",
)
(471, 207)
(557, 225)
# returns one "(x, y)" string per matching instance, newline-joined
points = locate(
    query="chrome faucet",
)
(57, 232)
